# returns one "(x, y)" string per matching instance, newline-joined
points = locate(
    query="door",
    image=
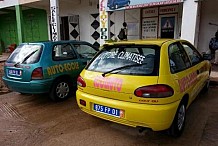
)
(197, 65)
(64, 28)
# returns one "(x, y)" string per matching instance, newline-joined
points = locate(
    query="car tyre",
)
(178, 124)
(60, 90)
(206, 86)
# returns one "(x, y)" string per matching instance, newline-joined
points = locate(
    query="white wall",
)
(133, 19)
(118, 18)
(8, 3)
(209, 14)
(83, 10)
(189, 19)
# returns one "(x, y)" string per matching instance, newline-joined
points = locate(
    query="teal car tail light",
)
(37, 74)
(154, 91)
(81, 82)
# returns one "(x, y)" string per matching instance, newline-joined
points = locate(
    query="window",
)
(134, 60)
(26, 54)
(85, 51)
(193, 54)
(63, 52)
(178, 58)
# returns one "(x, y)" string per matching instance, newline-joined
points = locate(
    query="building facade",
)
(99, 20)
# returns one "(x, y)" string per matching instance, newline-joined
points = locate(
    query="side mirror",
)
(207, 56)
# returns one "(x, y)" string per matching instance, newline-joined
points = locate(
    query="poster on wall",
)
(167, 27)
(149, 28)
(112, 5)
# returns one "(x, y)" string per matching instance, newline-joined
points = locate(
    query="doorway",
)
(64, 28)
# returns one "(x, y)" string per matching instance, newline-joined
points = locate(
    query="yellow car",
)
(144, 83)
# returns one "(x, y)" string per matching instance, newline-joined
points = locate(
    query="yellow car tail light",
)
(81, 82)
(154, 91)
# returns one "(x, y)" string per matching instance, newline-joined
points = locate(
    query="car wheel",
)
(60, 90)
(178, 124)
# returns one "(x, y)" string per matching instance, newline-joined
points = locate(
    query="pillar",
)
(189, 28)
(55, 22)
(19, 19)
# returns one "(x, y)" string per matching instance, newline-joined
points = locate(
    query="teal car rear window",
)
(127, 59)
(26, 54)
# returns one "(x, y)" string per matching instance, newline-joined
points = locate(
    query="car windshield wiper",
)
(122, 67)
(28, 56)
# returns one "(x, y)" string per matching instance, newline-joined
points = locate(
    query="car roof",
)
(56, 42)
(158, 42)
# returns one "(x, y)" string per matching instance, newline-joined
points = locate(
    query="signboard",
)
(149, 28)
(112, 5)
(150, 12)
(167, 27)
(103, 21)
(55, 25)
(169, 9)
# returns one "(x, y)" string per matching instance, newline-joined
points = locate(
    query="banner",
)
(113, 5)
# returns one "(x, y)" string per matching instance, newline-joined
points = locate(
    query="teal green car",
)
(47, 67)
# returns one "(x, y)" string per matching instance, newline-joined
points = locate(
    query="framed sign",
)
(149, 27)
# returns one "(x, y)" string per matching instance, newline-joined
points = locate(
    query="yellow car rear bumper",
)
(156, 117)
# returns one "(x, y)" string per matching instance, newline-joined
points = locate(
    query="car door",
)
(65, 61)
(198, 64)
(182, 72)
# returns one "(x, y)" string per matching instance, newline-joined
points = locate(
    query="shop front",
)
(145, 19)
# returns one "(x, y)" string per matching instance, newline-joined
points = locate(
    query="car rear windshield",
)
(26, 54)
(127, 59)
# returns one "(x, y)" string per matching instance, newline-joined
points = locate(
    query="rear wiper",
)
(122, 67)
(28, 56)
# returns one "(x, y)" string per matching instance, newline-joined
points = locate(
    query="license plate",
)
(109, 110)
(15, 72)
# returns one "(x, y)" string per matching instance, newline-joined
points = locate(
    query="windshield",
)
(25, 54)
(129, 59)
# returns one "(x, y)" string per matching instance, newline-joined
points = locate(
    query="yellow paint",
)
(55, 69)
(103, 19)
(155, 113)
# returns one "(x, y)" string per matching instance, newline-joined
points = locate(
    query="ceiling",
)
(43, 4)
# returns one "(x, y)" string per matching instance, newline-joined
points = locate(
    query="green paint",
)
(36, 27)
(34, 24)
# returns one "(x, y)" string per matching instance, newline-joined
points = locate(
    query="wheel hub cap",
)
(62, 90)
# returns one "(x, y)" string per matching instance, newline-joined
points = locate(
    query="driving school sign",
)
(113, 5)
(103, 21)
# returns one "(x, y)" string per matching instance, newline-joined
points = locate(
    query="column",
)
(55, 23)
(104, 22)
(19, 18)
(190, 18)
